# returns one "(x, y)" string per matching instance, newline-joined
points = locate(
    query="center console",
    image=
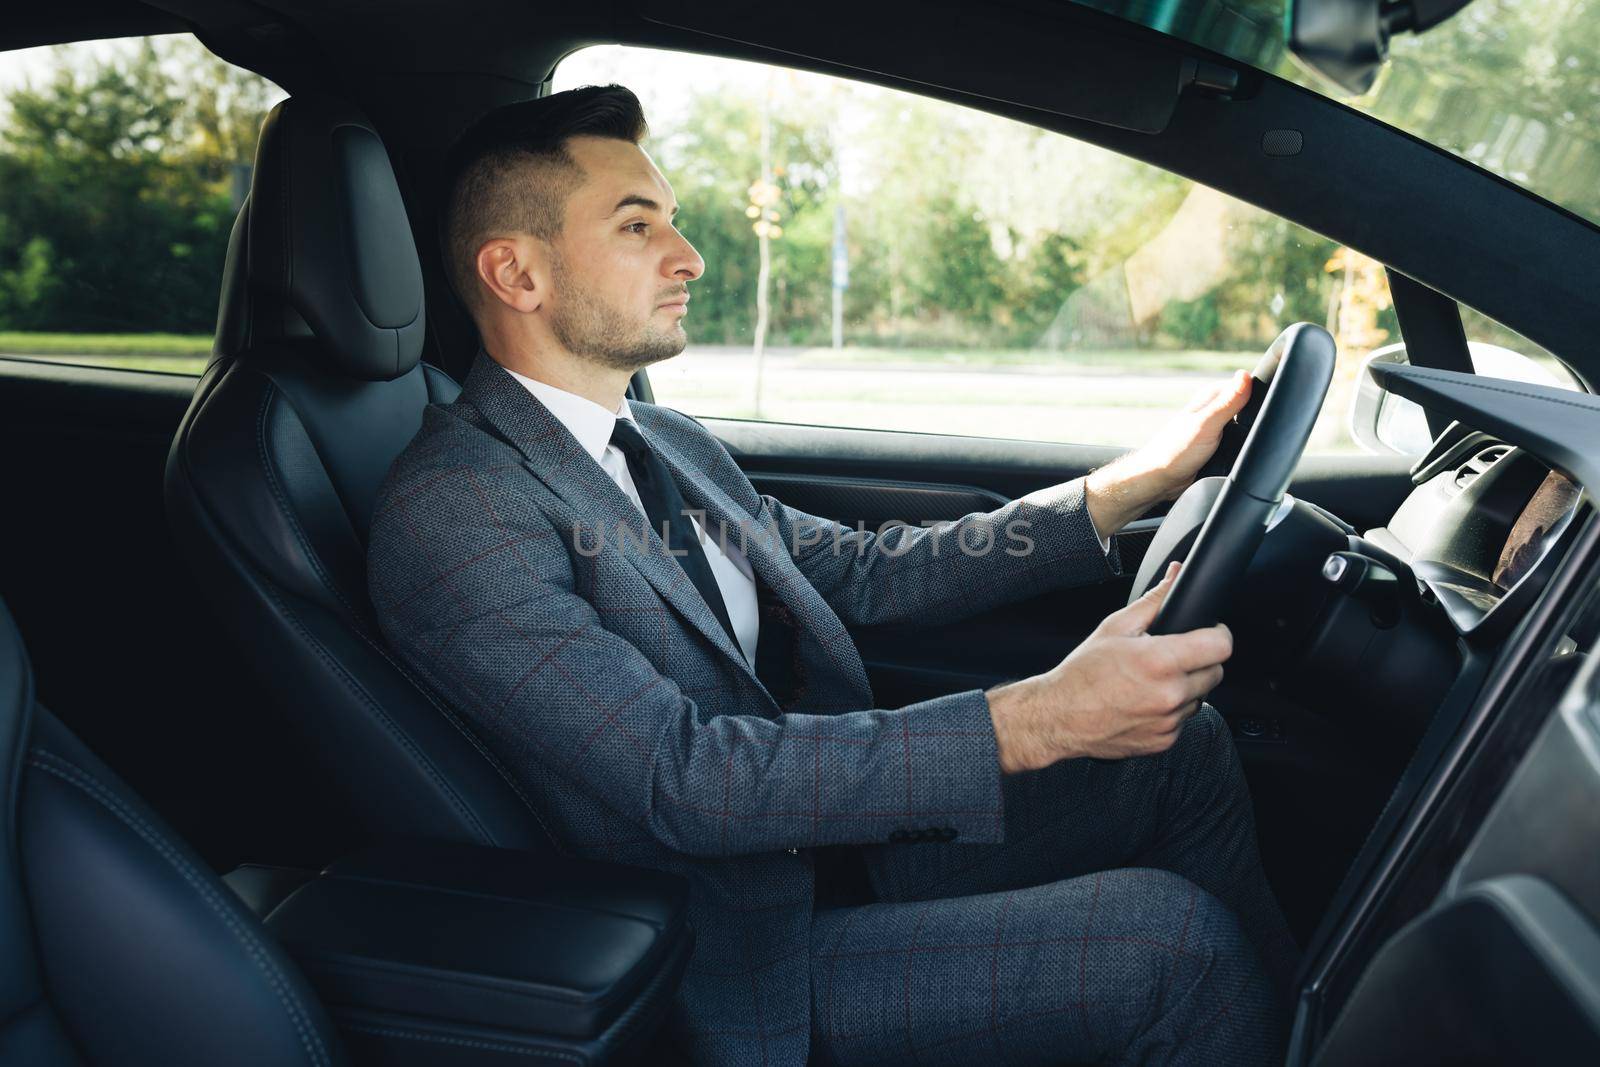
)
(434, 953)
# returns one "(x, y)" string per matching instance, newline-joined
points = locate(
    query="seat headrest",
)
(19, 973)
(233, 306)
(328, 246)
(16, 715)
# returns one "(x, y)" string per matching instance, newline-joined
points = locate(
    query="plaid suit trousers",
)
(1124, 919)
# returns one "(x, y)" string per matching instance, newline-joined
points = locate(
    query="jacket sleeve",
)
(480, 600)
(951, 570)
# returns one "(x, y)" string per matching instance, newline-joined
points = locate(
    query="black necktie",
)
(663, 504)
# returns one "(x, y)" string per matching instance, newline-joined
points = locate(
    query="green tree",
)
(712, 158)
(115, 190)
(1511, 86)
(1192, 323)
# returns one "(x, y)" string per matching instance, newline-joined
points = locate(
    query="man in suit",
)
(1062, 868)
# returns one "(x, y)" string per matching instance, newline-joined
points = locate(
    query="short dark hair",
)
(512, 172)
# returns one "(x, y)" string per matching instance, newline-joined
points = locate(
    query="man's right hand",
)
(1123, 692)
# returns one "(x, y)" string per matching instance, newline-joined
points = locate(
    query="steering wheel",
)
(1217, 524)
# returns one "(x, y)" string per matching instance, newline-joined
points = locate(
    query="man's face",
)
(620, 271)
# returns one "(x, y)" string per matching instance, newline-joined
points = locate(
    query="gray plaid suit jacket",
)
(636, 727)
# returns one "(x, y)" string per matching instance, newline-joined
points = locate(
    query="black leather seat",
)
(314, 388)
(120, 945)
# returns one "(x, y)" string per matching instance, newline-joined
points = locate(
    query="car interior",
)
(235, 831)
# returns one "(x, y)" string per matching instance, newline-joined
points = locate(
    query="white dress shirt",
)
(592, 425)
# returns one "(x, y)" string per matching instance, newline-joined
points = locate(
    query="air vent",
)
(1473, 468)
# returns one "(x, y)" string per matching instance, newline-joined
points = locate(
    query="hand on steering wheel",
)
(1224, 518)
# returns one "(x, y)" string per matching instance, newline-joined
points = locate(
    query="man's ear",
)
(515, 270)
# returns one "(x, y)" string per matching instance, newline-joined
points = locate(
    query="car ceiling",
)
(424, 68)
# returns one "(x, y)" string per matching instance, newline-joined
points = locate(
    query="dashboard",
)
(1502, 491)
(1392, 618)
(1480, 527)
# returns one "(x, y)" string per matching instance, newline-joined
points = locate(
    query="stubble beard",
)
(591, 329)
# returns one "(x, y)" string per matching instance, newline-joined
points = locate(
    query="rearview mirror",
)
(1347, 41)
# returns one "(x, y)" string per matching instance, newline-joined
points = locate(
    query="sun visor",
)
(1063, 62)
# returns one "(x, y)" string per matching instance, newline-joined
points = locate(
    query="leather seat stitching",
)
(266, 586)
(417, 754)
(267, 396)
(405, 741)
(461, 728)
(69, 772)
(306, 547)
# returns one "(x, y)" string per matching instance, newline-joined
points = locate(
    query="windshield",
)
(1510, 86)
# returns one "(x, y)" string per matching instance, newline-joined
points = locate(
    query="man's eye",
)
(637, 227)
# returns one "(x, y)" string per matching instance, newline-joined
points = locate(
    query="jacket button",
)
(794, 852)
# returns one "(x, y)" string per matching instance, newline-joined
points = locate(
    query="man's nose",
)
(683, 263)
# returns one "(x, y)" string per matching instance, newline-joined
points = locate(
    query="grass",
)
(166, 353)
(105, 344)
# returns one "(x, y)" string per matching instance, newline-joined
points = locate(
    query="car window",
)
(122, 165)
(878, 259)
(1501, 352)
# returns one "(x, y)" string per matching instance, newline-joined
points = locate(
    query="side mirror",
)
(1384, 423)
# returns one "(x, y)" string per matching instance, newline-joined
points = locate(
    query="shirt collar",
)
(587, 421)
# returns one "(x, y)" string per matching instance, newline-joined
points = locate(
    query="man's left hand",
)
(1121, 491)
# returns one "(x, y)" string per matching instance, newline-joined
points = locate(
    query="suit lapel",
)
(597, 505)
(769, 557)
